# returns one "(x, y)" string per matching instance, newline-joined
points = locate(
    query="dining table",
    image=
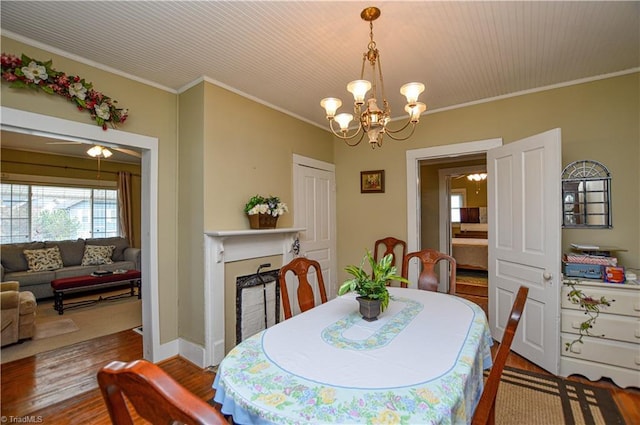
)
(420, 362)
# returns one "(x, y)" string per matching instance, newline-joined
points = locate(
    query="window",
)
(32, 212)
(457, 202)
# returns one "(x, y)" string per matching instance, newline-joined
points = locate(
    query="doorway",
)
(28, 122)
(417, 207)
(463, 226)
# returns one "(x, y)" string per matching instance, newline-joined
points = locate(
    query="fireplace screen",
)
(257, 303)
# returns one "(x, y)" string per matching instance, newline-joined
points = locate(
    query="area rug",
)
(55, 328)
(92, 321)
(529, 398)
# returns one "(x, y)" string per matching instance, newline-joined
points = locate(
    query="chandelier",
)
(372, 120)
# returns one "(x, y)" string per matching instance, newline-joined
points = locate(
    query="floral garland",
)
(25, 72)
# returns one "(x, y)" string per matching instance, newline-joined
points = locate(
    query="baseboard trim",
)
(195, 353)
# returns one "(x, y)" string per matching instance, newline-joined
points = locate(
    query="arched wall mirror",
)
(586, 195)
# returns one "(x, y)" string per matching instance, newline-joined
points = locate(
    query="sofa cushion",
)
(13, 259)
(43, 259)
(27, 278)
(96, 254)
(120, 243)
(70, 250)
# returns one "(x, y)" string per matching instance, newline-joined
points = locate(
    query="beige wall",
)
(191, 215)
(599, 120)
(152, 112)
(204, 180)
(430, 198)
(249, 150)
(223, 162)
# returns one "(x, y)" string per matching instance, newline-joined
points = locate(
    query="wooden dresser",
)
(616, 355)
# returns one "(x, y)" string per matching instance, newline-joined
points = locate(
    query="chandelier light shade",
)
(372, 120)
(98, 151)
(477, 177)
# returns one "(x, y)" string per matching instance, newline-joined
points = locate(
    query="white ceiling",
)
(289, 55)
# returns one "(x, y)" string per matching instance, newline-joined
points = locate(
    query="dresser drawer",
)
(601, 350)
(627, 301)
(621, 328)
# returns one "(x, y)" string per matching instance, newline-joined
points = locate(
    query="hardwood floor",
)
(60, 386)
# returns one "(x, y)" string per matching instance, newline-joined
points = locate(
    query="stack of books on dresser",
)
(592, 264)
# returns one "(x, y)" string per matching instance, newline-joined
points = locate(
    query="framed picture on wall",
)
(372, 181)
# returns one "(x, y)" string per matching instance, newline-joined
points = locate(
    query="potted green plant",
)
(372, 287)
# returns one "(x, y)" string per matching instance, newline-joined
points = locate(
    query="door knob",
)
(547, 276)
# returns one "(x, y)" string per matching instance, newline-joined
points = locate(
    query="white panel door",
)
(314, 210)
(525, 243)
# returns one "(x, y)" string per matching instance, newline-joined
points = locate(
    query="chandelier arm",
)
(356, 143)
(406, 124)
(343, 136)
(390, 134)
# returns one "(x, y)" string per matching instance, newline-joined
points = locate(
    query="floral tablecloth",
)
(421, 362)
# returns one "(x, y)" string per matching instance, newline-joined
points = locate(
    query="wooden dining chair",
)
(390, 245)
(486, 409)
(428, 279)
(300, 267)
(155, 396)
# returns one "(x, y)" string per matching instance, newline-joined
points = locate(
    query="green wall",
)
(599, 120)
(211, 161)
(152, 112)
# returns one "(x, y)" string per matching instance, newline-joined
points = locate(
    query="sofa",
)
(18, 313)
(35, 264)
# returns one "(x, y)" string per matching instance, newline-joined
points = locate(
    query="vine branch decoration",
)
(591, 308)
(25, 72)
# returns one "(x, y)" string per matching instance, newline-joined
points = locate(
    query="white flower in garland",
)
(102, 111)
(35, 72)
(78, 90)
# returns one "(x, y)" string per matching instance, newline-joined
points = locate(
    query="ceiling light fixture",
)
(98, 151)
(477, 177)
(372, 120)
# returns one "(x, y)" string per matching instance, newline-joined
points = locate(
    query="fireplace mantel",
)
(224, 246)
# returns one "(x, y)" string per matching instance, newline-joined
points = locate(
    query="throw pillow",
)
(43, 259)
(95, 255)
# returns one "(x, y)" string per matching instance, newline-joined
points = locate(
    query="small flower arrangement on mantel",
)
(263, 212)
(25, 72)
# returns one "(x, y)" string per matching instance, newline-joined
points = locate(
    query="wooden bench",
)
(89, 283)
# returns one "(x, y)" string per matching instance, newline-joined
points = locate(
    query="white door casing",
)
(315, 212)
(413, 158)
(525, 243)
(47, 126)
